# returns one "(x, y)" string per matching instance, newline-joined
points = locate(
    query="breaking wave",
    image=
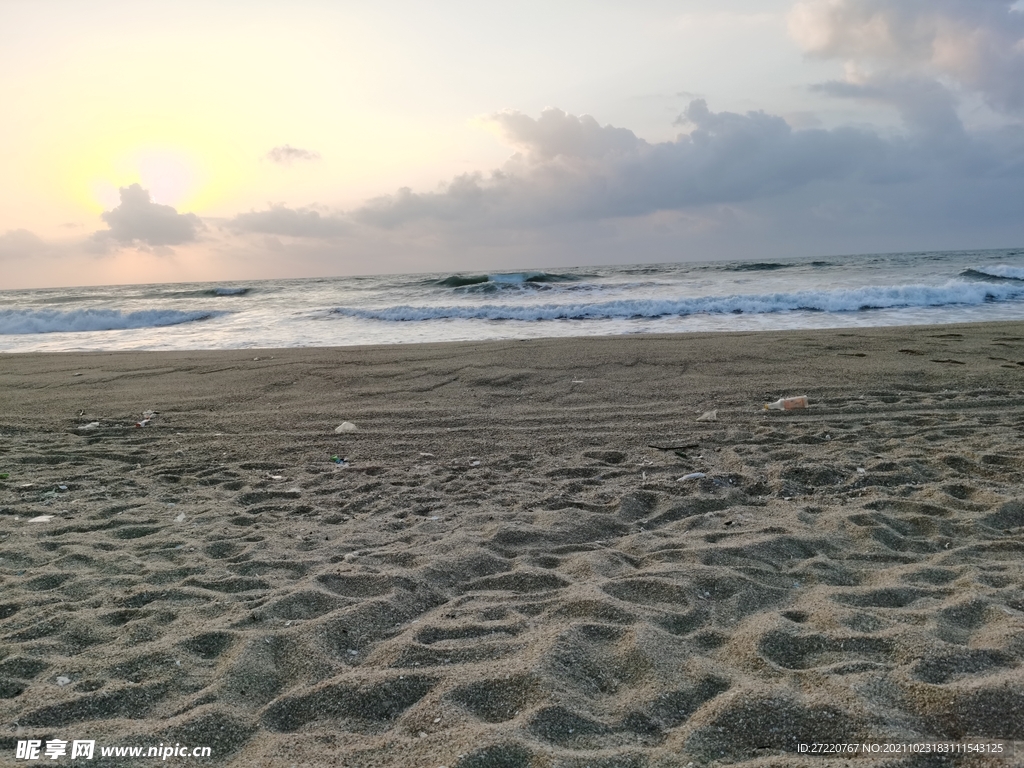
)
(229, 291)
(956, 292)
(509, 279)
(24, 321)
(757, 266)
(200, 293)
(1004, 271)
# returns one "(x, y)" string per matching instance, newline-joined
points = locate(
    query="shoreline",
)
(501, 565)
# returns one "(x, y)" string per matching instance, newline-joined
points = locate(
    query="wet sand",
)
(501, 568)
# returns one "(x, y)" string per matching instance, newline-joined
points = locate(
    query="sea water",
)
(833, 292)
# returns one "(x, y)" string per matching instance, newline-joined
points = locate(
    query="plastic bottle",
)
(787, 403)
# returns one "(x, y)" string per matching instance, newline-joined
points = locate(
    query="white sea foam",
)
(27, 321)
(954, 292)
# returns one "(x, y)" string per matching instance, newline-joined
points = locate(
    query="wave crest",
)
(27, 321)
(504, 280)
(955, 292)
(1003, 271)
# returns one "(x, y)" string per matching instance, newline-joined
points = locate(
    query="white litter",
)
(90, 425)
(709, 416)
(63, 680)
(692, 476)
(345, 426)
(180, 518)
(40, 519)
(861, 470)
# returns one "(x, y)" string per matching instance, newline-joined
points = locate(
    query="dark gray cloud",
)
(294, 222)
(976, 44)
(287, 154)
(19, 243)
(571, 169)
(139, 220)
(928, 109)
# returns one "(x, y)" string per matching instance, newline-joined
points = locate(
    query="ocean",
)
(834, 292)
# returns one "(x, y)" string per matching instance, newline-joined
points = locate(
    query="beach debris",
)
(475, 463)
(425, 455)
(340, 460)
(674, 446)
(180, 518)
(345, 426)
(142, 422)
(709, 416)
(692, 476)
(276, 477)
(4, 475)
(76, 374)
(787, 403)
(90, 425)
(40, 519)
(861, 470)
(63, 680)
(62, 487)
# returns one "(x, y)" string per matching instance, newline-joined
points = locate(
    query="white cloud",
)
(976, 44)
(139, 220)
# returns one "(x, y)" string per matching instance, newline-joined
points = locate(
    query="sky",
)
(148, 141)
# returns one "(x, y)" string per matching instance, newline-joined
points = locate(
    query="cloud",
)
(977, 44)
(139, 220)
(927, 108)
(18, 243)
(556, 133)
(287, 154)
(294, 222)
(570, 168)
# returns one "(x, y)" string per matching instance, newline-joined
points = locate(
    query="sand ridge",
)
(504, 571)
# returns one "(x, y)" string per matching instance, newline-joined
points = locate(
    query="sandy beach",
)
(502, 567)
